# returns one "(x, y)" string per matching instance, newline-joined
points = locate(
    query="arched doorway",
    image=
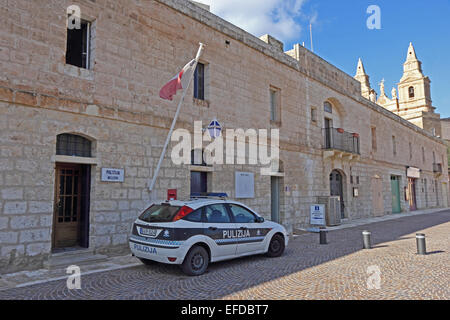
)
(72, 192)
(337, 188)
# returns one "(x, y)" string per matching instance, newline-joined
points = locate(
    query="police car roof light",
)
(209, 195)
(218, 194)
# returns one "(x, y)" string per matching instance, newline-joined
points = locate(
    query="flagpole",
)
(166, 144)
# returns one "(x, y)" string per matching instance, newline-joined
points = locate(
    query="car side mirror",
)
(259, 219)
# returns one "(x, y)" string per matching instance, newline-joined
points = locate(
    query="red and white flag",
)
(180, 81)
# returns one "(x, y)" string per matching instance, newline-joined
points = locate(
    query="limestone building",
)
(82, 126)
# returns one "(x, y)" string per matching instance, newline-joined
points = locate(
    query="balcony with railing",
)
(339, 143)
(437, 168)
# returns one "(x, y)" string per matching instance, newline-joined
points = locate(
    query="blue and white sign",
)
(214, 129)
(318, 215)
(112, 175)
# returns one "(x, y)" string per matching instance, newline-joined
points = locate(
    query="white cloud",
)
(279, 18)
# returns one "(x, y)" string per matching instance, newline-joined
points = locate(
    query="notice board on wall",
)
(245, 185)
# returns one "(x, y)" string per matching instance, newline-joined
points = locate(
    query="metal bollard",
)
(323, 236)
(421, 246)
(366, 239)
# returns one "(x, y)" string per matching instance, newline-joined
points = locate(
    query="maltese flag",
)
(180, 81)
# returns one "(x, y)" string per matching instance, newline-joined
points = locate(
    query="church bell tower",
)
(414, 96)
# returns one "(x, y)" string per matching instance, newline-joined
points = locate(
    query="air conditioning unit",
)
(332, 210)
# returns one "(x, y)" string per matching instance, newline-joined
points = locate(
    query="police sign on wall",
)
(112, 175)
(245, 185)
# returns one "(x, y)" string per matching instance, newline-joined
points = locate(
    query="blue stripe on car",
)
(157, 241)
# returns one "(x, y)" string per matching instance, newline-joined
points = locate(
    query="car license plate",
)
(148, 232)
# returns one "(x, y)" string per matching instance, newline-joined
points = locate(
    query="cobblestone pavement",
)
(307, 270)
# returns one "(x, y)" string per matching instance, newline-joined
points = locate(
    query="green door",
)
(275, 199)
(395, 188)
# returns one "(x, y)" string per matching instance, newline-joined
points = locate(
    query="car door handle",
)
(212, 228)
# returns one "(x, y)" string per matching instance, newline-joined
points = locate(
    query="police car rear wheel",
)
(196, 261)
(276, 246)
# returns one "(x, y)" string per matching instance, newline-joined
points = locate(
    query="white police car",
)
(202, 230)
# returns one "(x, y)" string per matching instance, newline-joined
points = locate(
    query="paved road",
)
(307, 270)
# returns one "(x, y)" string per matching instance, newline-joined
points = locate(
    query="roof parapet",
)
(277, 44)
(201, 5)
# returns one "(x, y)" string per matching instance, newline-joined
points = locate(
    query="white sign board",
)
(413, 172)
(245, 185)
(318, 215)
(112, 175)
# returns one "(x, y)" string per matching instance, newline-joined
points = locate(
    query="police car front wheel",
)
(276, 246)
(196, 261)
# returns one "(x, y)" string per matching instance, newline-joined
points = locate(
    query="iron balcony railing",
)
(338, 139)
(437, 168)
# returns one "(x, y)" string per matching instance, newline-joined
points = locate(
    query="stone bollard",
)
(323, 236)
(366, 239)
(421, 246)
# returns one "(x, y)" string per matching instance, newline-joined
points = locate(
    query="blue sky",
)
(341, 36)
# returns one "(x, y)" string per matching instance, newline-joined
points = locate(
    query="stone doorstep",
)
(76, 257)
(72, 251)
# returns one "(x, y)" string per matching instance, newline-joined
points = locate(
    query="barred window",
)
(73, 145)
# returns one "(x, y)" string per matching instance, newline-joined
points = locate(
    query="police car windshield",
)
(159, 213)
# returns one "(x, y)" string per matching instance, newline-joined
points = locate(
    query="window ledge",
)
(275, 123)
(201, 103)
(273, 174)
(78, 160)
(78, 72)
(201, 168)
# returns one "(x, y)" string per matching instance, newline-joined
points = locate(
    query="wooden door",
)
(377, 197)
(411, 192)
(67, 208)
